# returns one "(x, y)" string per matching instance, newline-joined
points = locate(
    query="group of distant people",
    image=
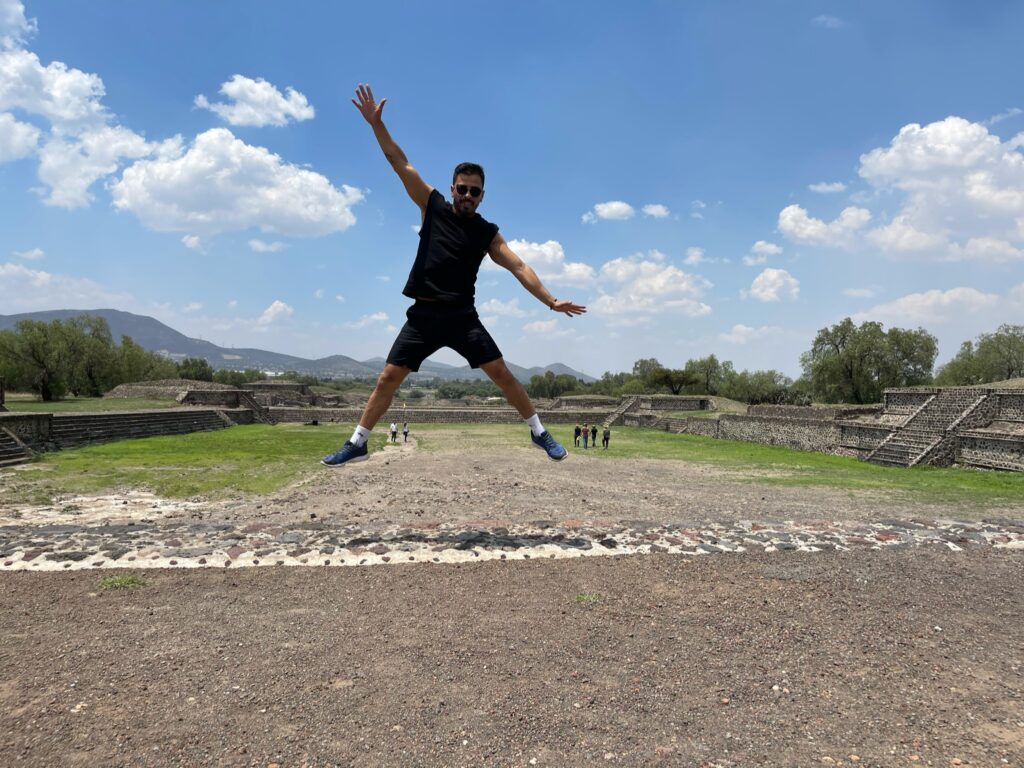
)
(393, 432)
(589, 435)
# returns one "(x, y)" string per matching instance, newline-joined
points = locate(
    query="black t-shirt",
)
(450, 252)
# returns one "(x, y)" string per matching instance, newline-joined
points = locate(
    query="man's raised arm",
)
(372, 112)
(505, 257)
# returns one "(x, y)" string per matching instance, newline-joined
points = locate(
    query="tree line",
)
(847, 363)
(78, 356)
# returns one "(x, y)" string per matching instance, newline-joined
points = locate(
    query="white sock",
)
(360, 436)
(535, 426)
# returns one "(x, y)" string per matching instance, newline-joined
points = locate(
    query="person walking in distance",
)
(405, 432)
(593, 435)
(586, 435)
(605, 437)
(393, 429)
(454, 239)
(576, 436)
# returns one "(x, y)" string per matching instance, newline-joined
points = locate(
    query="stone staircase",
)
(12, 451)
(260, 413)
(619, 412)
(69, 430)
(926, 428)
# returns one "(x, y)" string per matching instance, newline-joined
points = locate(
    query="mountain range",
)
(151, 334)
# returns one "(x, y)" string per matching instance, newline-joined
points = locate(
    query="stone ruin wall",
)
(817, 413)
(218, 398)
(903, 402)
(673, 403)
(33, 429)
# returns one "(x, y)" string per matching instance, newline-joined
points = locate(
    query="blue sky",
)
(705, 176)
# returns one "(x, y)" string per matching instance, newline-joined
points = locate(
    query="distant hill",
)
(151, 334)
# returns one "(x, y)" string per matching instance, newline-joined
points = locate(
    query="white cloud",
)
(365, 320)
(638, 287)
(233, 303)
(827, 187)
(764, 248)
(614, 210)
(318, 293)
(694, 255)
(795, 224)
(775, 285)
(828, 22)
(221, 184)
(549, 329)
(743, 334)
(192, 242)
(696, 208)
(17, 139)
(30, 255)
(29, 290)
(273, 312)
(338, 297)
(933, 306)
(384, 278)
(963, 192)
(257, 103)
(656, 210)
(548, 261)
(68, 98)
(494, 307)
(194, 306)
(1011, 112)
(753, 261)
(15, 29)
(69, 167)
(861, 293)
(260, 246)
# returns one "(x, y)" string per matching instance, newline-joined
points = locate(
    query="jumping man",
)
(453, 241)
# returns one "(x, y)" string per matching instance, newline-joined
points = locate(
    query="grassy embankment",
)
(261, 459)
(19, 402)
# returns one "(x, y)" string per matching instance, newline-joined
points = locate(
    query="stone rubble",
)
(148, 544)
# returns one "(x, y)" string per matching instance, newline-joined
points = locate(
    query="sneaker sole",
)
(564, 455)
(342, 464)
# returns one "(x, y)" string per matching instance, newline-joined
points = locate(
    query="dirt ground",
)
(903, 655)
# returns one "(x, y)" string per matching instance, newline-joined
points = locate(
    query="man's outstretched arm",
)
(372, 112)
(504, 256)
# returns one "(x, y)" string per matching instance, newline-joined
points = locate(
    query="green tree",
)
(195, 368)
(550, 385)
(854, 364)
(35, 356)
(643, 367)
(993, 357)
(708, 373)
(90, 355)
(133, 363)
(672, 379)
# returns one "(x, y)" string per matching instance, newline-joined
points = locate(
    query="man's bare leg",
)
(380, 400)
(388, 382)
(510, 386)
(518, 398)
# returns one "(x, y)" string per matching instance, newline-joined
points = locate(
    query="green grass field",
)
(260, 459)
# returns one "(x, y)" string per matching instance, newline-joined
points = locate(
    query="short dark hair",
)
(469, 169)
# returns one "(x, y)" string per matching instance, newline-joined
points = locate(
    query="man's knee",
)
(391, 377)
(499, 372)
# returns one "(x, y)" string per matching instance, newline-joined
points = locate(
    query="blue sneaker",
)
(347, 454)
(547, 443)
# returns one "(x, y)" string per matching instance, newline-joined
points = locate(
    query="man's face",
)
(463, 202)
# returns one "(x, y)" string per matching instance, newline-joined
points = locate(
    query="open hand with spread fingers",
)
(568, 307)
(370, 110)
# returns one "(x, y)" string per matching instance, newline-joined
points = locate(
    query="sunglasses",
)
(473, 191)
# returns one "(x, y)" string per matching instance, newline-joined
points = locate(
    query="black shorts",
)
(432, 325)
